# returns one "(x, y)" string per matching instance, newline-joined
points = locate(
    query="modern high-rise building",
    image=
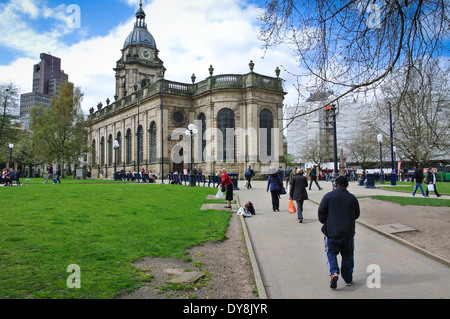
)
(47, 77)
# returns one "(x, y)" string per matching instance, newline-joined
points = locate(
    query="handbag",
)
(292, 209)
(430, 187)
(283, 190)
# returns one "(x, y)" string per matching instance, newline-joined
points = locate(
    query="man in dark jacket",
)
(338, 211)
(418, 176)
(298, 192)
(313, 175)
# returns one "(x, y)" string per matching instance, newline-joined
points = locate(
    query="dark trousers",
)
(345, 247)
(300, 209)
(315, 181)
(435, 191)
(249, 180)
(275, 199)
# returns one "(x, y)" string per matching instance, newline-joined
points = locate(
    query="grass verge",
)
(101, 228)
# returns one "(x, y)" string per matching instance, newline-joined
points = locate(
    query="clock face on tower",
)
(146, 54)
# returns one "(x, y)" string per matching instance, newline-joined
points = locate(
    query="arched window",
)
(202, 118)
(119, 150)
(265, 136)
(102, 151)
(153, 142)
(110, 150)
(140, 143)
(128, 138)
(226, 125)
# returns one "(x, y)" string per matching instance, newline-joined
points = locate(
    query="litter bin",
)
(370, 181)
(234, 178)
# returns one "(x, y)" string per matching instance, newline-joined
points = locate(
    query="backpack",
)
(249, 207)
(248, 172)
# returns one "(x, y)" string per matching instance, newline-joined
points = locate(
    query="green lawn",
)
(408, 187)
(102, 228)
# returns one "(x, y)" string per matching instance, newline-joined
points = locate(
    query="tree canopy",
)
(352, 46)
(59, 131)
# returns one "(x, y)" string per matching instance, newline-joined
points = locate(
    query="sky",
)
(88, 37)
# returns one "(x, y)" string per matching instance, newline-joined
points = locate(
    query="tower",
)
(139, 63)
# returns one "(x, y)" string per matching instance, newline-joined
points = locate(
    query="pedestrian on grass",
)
(49, 173)
(338, 211)
(228, 185)
(58, 174)
(298, 192)
(275, 184)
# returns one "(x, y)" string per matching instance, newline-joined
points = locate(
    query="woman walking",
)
(274, 184)
(228, 184)
(431, 180)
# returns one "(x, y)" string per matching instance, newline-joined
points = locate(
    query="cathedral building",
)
(237, 118)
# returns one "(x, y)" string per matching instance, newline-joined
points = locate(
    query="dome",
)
(140, 35)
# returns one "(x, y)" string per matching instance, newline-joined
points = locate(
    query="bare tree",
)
(352, 46)
(362, 148)
(316, 152)
(420, 102)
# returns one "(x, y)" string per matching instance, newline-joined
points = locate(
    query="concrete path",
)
(291, 262)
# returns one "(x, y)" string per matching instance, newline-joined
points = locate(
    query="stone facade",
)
(233, 114)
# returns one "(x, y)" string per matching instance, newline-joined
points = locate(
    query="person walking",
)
(431, 180)
(287, 175)
(49, 173)
(275, 184)
(418, 177)
(249, 173)
(58, 174)
(338, 211)
(313, 176)
(298, 192)
(228, 184)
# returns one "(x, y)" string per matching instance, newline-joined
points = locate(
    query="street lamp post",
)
(380, 140)
(191, 130)
(393, 172)
(11, 146)
(116, 146)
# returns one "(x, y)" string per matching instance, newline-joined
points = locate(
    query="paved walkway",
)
(290, 263)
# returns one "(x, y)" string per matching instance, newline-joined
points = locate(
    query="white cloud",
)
(15, 72)
(191, 35)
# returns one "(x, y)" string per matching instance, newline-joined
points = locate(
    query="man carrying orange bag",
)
(292, 209)
(298, 192)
